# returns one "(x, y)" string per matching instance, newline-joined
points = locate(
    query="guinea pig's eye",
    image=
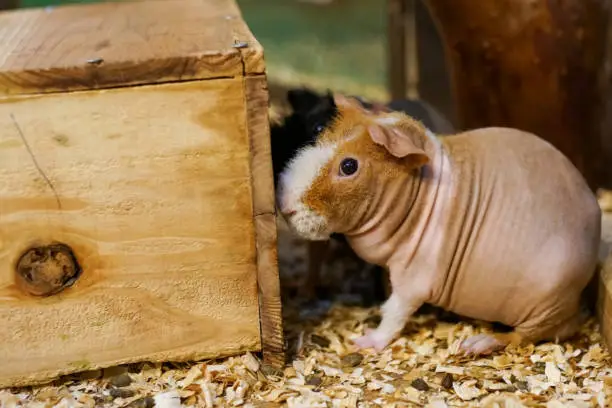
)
(348, 166)
(318, 128)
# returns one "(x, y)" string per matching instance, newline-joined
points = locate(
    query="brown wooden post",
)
(529, 64)
(402, 55)
(606, 132)
(396, 51)
(433, 85)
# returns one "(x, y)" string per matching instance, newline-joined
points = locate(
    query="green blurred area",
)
(340, 45)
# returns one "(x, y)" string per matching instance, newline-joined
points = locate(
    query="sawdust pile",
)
(418, 370)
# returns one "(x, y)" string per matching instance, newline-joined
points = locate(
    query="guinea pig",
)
(493, 224)
(311, 113)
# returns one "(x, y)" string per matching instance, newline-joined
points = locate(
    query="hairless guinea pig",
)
(494, 224)
(311, 114)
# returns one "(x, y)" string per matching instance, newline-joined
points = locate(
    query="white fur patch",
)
(309, 224)
(295, 181)
(432, 136)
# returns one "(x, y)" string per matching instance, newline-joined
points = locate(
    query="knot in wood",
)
(47, 270)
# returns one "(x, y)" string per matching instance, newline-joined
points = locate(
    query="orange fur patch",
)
(339, 198)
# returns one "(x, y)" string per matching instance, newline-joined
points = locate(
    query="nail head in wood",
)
(240, 44)
(47, 270)
(95, 61)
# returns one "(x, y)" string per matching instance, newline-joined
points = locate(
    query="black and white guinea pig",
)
(313, 112)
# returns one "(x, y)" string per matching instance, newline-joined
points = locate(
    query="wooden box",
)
(137, 217)
(604, 295)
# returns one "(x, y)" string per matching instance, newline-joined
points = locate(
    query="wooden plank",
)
(109, 44)
(256, 90)
(272, 336)
(535, 68)
(264, 208)
(433, 84)
(412, 63)
(416, 61)
(604, 298)
(151, 188)
(606, 130)
(396, 53)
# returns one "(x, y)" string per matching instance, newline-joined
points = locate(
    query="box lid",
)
(103, 45)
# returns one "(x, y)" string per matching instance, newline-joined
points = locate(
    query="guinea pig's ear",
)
(347, 102)
(396, 141)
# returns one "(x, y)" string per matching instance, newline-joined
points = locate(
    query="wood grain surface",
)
(264, 208)
(110, 44)
(604, 298)
(151, 188)
(256, 90)
(270, 315)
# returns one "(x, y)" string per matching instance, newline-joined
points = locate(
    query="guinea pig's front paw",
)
(481, 344)
(373, 339)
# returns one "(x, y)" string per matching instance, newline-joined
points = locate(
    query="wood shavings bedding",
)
(420, 369)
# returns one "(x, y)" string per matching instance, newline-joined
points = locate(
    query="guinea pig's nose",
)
(288, 213)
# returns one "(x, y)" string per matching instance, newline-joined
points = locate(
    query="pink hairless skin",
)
(493, 224)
